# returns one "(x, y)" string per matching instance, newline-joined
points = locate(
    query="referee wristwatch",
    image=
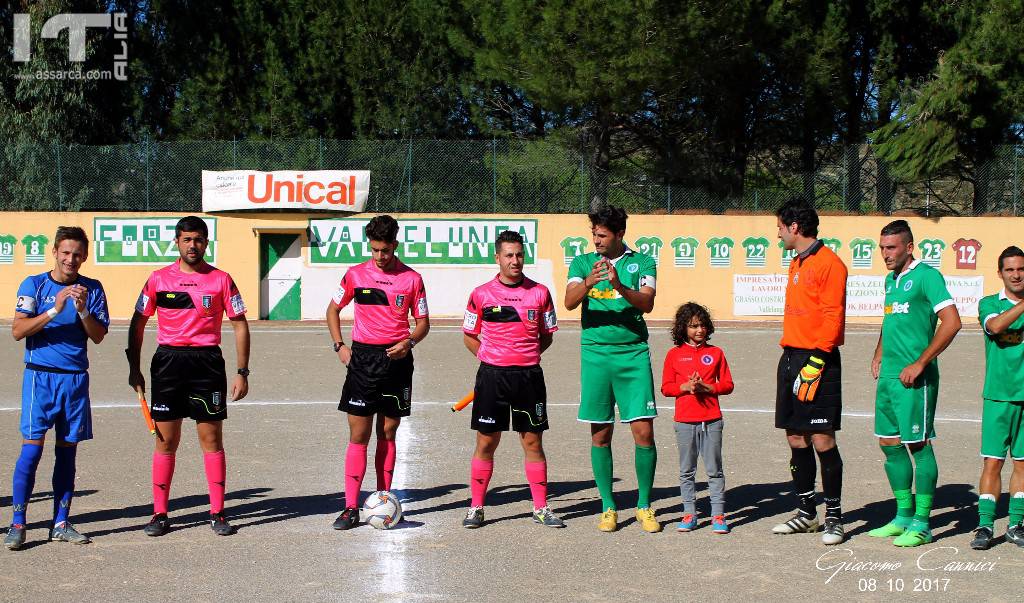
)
(412, 343)
(338, 345)
(244, 372)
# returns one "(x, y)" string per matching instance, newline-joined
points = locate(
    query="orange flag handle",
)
(145, 412)
(463, 403)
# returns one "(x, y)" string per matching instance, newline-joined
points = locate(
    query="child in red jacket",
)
(695, 374)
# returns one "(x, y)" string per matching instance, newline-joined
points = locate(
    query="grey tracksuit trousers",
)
(704, 440)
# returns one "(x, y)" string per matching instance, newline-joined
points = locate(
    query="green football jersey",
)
(1004, 353)
(912, 302)
(608, 318)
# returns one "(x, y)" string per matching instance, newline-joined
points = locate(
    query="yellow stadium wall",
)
(448, 286)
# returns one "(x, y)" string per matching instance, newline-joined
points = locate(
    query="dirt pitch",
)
(284, 447)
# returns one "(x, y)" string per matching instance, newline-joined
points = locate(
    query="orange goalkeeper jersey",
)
(815, 314)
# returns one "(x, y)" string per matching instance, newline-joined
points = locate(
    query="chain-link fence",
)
(504, 176)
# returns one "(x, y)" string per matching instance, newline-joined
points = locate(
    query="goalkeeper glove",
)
(806, 384)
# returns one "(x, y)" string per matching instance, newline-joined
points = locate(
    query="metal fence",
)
(443, 176)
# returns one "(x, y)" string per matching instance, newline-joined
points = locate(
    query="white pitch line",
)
(857, 415)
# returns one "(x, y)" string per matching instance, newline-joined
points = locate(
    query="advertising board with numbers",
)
(698, 257)
(122, 241)
(422, 241)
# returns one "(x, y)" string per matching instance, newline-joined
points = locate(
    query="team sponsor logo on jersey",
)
(26, 303)
(907, 285)
(606, 294)
(550, 320)
(237, 305)
(421, 306)
(632, 268)
(469, 322)
(706, 359)
(898, 308)
(399, 300)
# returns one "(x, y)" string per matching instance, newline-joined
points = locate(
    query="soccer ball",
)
(382, 510)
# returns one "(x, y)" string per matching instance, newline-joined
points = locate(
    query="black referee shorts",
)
(505, 394)
(825, 412)
(377, 384)
(188, 381)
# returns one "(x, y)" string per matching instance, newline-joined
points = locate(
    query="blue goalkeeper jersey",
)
(61, 344)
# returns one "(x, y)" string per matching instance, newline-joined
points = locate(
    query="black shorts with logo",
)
(504, 392)
(825, 412)
(377, 384)
(188, 381)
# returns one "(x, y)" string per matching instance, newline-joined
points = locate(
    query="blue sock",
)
(24, 480)
(63, 482)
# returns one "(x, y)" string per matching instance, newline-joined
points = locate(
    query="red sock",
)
(480, 472)
(384, 462)
(216, 474)
(163, 472)
(537, 475)
(355, 469)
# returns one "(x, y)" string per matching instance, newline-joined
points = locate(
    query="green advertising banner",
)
(142, 240)
(422, 242)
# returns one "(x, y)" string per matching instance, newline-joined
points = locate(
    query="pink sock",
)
(216, 474)
(537, 475)
(384, 462)
(480, 472)
(163, 472)
(355, 469)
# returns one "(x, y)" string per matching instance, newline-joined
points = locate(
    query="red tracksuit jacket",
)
(709, 362)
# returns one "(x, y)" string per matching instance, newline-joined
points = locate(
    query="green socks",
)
(646, 460)
(987, 511)
(601, 462)
(900, 472)
(904, 508)
(898, 467)
(927, 475)
(1016, 508)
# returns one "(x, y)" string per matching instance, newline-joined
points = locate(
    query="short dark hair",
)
(70, 233)
(611, 217)
(684, 315)
(898, 227)
(382, 228)
(508, 236)
(191, 224)
(799, 210)
(1010, 252)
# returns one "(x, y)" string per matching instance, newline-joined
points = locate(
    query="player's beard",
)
(192, 260)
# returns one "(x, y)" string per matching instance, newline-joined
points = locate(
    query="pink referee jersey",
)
(384, 300)
(510, 320)
(190, 306)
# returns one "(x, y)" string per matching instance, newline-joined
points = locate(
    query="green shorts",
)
(1001, 429)
(907, 413)
(616, 375)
